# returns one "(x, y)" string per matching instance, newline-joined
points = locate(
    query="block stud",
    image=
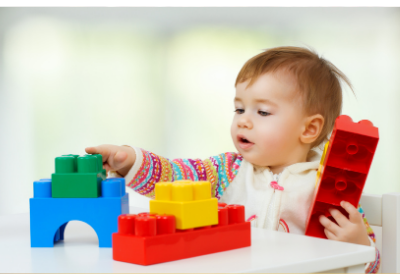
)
(163, 191)
(182, 191)
(99, 158)
(42, 188)
(344, 118)
(123, 190)
(236, 213)
(352, 148)
(166, 224)
(223, 217)
(71, 155)
(65, 164)
(87, 164)
(113, 187)
(201, 190)
(366, 122)
(340, 183)
(126, 224)
(145, 226)
(75, 161)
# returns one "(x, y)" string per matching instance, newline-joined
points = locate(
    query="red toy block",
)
(148, 239)
(343, 171)
(352, 145)
(314, 227)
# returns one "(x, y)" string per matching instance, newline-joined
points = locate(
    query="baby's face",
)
(270, 115)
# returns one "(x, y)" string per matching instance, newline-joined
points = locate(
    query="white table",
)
(271, 252)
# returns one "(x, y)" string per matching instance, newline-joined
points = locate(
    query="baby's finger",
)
(119, 160)
(102, 149)
(329, 225)
(120, 156)
(330, 235)
(339, 217)
(106, 166)
(354, 215)
(90, 150)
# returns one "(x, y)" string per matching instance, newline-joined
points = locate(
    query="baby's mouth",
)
(244, 143)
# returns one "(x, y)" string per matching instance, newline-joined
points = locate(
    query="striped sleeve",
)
(150, 168)
(371, 267)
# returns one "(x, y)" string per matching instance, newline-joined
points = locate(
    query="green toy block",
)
(77, 176)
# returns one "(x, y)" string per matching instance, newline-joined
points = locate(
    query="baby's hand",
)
(350, 230)
(115, 158)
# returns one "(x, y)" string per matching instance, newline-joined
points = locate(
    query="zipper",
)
(271, 206)
(266, 218)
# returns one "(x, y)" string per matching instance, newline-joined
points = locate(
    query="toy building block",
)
(49, 216)
(78, 176)
(147, 239)
(189, 201)
(343, 170)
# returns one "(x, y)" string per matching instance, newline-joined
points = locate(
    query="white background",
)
(163, 79)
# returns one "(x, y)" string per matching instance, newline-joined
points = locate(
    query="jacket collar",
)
(312, 162)
(313, 159)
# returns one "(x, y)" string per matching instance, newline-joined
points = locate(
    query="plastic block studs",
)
(78, 176)
(49, 216)
(352, 145)
(113, 187)
(343, 170)
(147, 239)
(189, 201)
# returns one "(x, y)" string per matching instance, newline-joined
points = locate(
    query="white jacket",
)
(252, 188)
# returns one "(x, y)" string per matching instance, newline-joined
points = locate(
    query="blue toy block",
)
(49, 216)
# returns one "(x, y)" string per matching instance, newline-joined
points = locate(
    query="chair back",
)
(383, 215)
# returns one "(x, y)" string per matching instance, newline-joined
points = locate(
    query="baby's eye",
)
(239, 111)
(262, 113)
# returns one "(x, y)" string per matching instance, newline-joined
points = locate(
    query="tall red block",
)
(154, 239)
(343, 170)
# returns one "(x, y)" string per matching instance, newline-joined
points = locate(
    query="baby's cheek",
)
(272, 142)
(278, 142)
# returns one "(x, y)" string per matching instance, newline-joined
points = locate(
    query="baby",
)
(286, 103)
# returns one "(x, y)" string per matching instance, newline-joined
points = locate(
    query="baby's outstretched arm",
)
(115, 158)
(150, 168)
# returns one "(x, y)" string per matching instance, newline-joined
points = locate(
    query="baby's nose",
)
(245, 122)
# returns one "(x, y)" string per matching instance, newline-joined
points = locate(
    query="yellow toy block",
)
(189, 201)
(321, 163)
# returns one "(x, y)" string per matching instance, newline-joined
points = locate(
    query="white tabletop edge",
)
(346, 254)
(319, 265)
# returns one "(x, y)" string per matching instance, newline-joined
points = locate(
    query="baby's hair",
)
(317, 80)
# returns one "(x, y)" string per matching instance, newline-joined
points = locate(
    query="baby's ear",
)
(312, 128)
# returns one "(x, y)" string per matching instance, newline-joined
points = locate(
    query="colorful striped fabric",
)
(373, 267)
(220, 170)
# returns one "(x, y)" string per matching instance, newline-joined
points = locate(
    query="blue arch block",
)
(49, 216)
